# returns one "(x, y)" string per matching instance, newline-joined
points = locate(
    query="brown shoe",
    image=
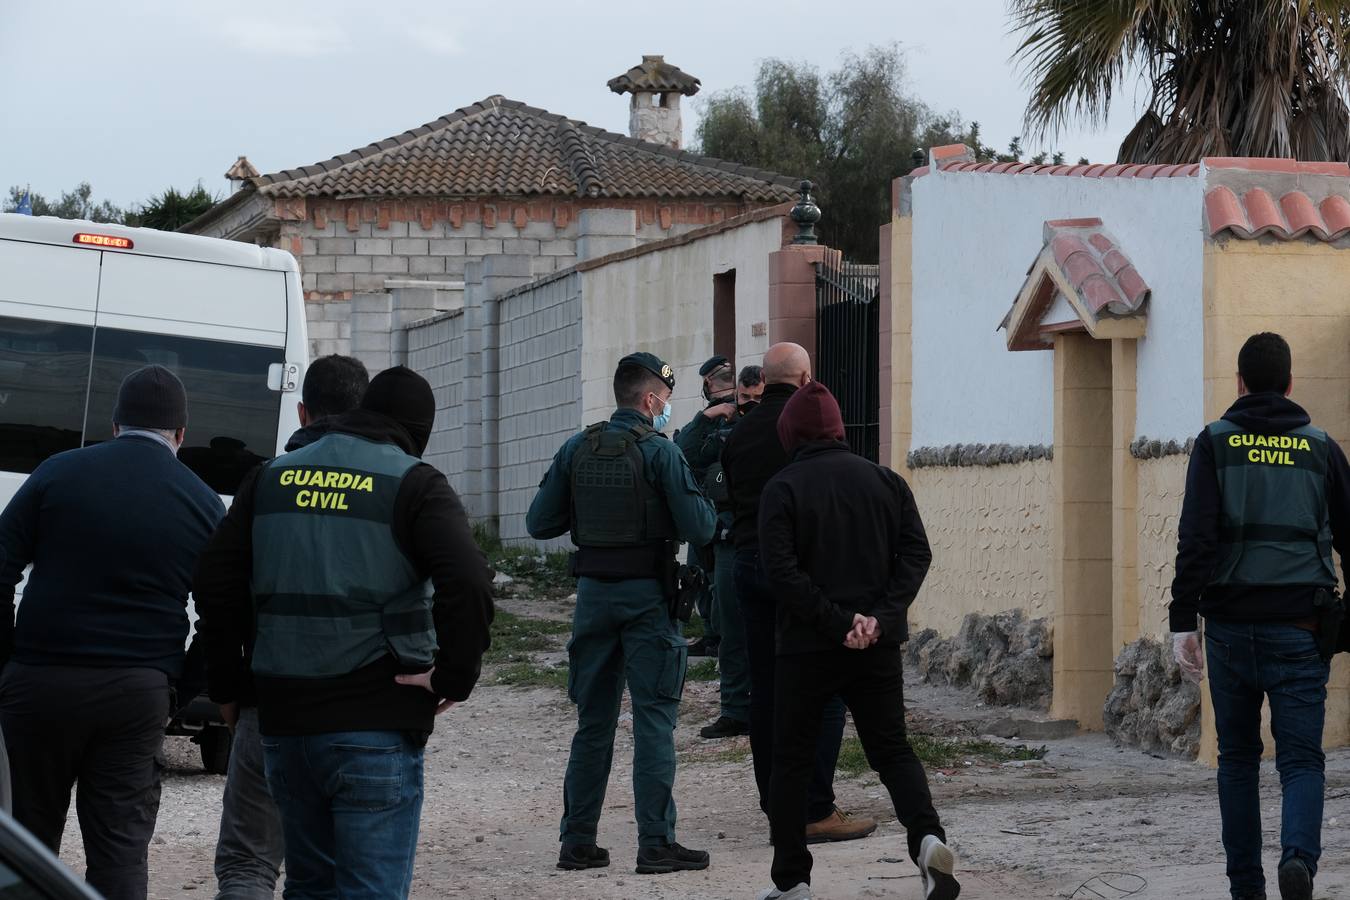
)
(839, 826)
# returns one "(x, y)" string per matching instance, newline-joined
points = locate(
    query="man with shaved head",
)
(752, 456)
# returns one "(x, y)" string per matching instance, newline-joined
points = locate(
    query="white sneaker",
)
(936, 865)
(800, 892)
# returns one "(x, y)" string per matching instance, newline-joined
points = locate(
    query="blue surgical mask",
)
(659, 422)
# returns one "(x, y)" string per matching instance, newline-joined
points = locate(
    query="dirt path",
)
(494, 775)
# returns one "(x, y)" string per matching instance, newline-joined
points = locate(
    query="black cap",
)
(151, 397)
(652, 364)
(712, 365)
(406, 397)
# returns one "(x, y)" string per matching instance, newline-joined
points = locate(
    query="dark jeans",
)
(871, 684)
(100, 731)
(250, 849)
(733, 667)
(1246, 662)
(350, 805)
(757, 607)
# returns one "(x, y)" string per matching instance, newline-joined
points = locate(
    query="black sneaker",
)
(1260, 896)
(703, 647)
(724, 727)
(1295, 880)
(670, 858)
(576, 857)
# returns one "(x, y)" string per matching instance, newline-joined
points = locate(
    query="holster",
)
(690, 582)
(1329, 611)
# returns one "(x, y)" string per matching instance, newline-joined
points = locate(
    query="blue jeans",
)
(350, 804)
(1246, 662)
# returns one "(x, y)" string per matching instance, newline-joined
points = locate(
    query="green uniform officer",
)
(627, 496)
(702, 441)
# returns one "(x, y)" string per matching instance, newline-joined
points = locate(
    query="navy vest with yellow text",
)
(1274, 527)
(332, 590)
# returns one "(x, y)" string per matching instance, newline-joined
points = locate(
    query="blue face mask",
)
(660, 421)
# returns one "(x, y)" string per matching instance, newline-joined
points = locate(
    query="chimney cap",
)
(242, 170)
(655, 76)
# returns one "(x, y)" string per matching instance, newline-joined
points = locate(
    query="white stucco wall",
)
(975, 235)
(662, 302)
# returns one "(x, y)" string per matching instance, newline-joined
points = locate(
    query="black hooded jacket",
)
(1198, 533)
(431, 528)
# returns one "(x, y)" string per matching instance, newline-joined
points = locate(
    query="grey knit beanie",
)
(151, 397)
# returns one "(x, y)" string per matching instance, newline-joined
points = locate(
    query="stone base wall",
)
(1162, 485)
(1151, 706)
(1006, 658)
(989, 527)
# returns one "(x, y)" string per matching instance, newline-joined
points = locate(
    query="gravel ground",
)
(1089, 821)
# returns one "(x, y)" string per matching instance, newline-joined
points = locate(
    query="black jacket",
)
(752, 455)
(840, 535)
(1198, 531)
(113, 532)
(433, 531)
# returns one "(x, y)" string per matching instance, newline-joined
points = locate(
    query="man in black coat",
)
(845, 553)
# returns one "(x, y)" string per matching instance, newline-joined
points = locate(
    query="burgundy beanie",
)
(811, 414)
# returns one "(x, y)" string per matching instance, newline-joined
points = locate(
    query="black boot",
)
(1295, 880)
(724, 727)
(575, 857)
(670, 858)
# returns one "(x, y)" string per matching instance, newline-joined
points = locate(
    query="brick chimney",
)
(654, 112)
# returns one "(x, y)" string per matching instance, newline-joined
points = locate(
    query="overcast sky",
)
(137, 95)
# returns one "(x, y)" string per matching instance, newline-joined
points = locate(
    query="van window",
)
(44, 375)
(232, 415)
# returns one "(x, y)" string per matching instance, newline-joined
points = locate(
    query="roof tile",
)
(1294, 215)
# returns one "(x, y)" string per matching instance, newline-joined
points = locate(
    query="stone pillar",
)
(372, 322)
(412, 301)
(601, 232)
(501, 273)
(474, 300)
(1082, 515)
(1124, 497)
(792, 294)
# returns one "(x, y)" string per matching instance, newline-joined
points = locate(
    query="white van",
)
(83, 304)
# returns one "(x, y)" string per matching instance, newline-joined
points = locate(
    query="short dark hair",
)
(1265, 363)
(631, 384)
(333, 385)
(751, 376)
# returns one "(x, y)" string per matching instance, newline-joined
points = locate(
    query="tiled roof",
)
(503, 147)
(655, 75)
(1079, 256)
(960, 158)
(242, 170)
(1279, 198)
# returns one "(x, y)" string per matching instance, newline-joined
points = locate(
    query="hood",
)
(1267, 413)
(376, 427)
(811, 415)
(310, 433)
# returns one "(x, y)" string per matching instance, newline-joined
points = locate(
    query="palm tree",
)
(1225, 77)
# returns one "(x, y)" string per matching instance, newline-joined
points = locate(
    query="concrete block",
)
(319, 264)
(609, 222)
(539, 231)
(335, 282)
(373, 302)
(309, 281)
(507, 265)
(373, 246)
(353, 263)
(395, 230)
(427, 265)
(309, 246)
(454, 265)
(558, 248)
(338, 311)
(323, 331)
(369, 282)
(483, 247)
(466, 230)
(591, 246)
(370, 341)
(521, 245)
(543, 265)
(411, 246)
(337, 246)
(390, 265)
(447, 247)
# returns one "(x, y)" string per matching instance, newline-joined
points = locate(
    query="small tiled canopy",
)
(1083, 263)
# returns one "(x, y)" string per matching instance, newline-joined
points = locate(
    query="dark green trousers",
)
(733, 663)
(622, 633)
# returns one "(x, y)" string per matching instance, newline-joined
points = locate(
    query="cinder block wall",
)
(436, 350)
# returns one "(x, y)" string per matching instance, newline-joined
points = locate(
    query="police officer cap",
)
(712, 365)
(652, 364)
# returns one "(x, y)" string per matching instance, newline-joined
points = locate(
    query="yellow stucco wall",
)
(1162, 484)
(989, 527)
(1302, 290)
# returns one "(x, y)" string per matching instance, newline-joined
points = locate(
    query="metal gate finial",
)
(806, 214)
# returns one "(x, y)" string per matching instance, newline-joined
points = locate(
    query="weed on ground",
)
(941, 753)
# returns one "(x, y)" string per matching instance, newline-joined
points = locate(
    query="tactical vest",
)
(332, 590)
(1274, 527)
(621, 524)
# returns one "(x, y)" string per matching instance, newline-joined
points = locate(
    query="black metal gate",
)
(848, 328)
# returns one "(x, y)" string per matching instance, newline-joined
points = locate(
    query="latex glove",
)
(1188, 654)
